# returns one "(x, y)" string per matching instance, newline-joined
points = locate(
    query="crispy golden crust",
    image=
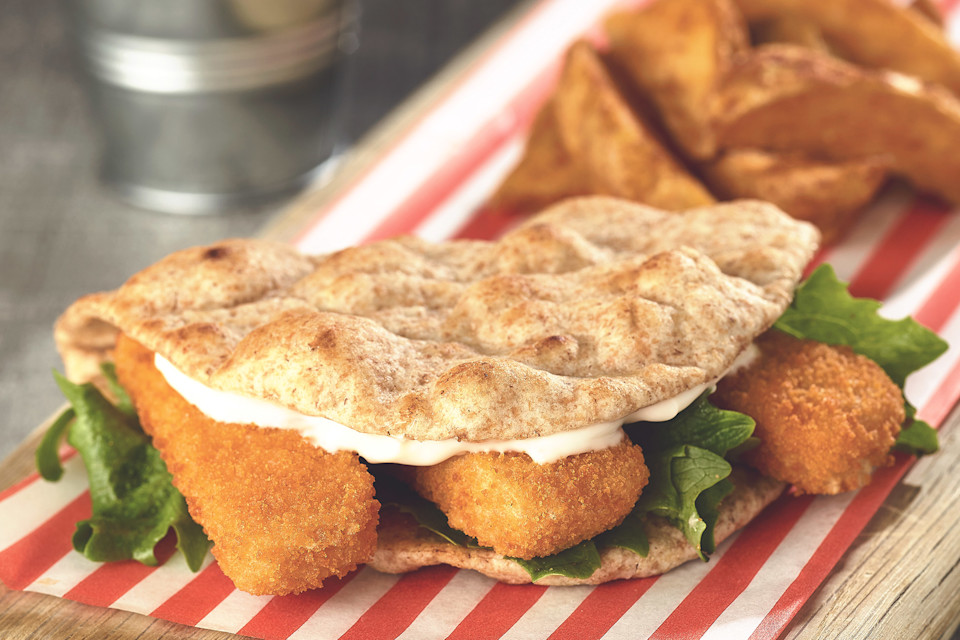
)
(826, 417)
(403, 546)
(675, 52)
(545, 174)
(282, 514)
(524, 509)
(586, 139)
(591, 310)
(783, 97)
(831, 195)
(619, 153)
(874, 33)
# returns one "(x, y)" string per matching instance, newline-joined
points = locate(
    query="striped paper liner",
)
(905, 251)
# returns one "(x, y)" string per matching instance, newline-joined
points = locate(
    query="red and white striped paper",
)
(905, 251)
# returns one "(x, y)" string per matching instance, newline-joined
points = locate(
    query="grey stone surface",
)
(63, 235)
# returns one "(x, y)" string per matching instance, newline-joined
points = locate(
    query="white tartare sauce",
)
(332, 436)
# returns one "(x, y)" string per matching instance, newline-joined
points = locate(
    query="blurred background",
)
(63, 233)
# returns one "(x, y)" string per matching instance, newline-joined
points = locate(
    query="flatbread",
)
(589, 311)
(403, 546)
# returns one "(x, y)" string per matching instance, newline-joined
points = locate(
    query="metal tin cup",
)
(208, 104)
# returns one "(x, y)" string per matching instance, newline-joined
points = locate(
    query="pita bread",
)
(591, 310)
(403, 546)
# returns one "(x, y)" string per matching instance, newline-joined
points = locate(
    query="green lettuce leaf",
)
(123, 402)
(701, 424)
(708, 506)
(427, 514)
(678, 477)
(823, 310)
(579, 561)
(47, 455)
(628, 535)
(917, 438)
(134, 501)
(688, 472)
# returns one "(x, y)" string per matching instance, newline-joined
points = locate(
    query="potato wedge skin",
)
(546, 174)
(622, 154)
(598, 145)
(788, 98)
(874, 33)
(523, 509)
(828, 194)
(929, 10)
(790, 29)
(675, 52)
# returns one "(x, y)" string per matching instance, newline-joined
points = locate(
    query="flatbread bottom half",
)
(404, 546)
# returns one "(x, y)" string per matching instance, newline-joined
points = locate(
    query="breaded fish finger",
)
(523, 509)
(826, 417)
(283, 515)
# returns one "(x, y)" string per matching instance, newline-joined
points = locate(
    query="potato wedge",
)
(546, 174)
(675, 51)
(875, 33)
(788, 98)
(828, 194)
(622, 155)
(789, 29)
(929, 10)
(613, 151)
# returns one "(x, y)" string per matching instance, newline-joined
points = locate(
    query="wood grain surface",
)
(901, 577)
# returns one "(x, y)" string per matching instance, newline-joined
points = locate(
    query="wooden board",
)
(901, 577)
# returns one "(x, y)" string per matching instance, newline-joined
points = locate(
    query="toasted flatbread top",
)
(589, 311)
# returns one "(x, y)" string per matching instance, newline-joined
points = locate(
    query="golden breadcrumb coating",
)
(826, 417)
(523, 509)
(283, 515)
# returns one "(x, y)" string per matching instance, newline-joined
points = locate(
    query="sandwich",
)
(537, 408)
